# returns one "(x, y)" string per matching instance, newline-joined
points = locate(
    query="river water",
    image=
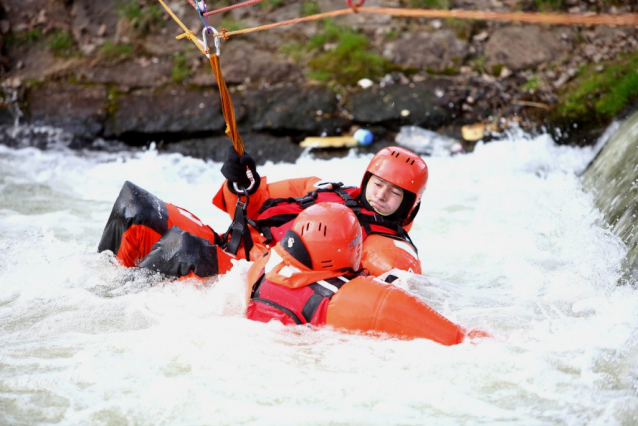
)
(509, 243)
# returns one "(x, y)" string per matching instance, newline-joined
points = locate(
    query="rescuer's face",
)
(384, 197)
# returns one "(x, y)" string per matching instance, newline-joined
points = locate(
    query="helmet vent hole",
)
(325, 228)
(327, 263)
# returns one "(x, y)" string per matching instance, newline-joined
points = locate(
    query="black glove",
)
(234, 169)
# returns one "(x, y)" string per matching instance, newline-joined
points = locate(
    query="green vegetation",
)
(549, 5)
(497, 69)
(340, 56)
(25, 39)
(310, 7)
(429, 4)
(462, 27)
(114, 52)
(601, 94)
(448, 70)
(478, 64)
(349, 61)
(271, 4)
(532, 84)
(230, 25)
(141, 18)
(179, 70)
(294, 50)
(62, 45)
(111, 101)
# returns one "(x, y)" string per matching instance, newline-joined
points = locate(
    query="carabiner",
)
(241, 190)
(217, 41)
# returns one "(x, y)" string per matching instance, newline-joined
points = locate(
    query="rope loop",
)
(201, 9)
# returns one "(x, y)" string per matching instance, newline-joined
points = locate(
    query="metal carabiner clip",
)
(241, 190)
(217, 41)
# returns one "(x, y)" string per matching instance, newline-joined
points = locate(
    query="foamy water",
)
(508, 240)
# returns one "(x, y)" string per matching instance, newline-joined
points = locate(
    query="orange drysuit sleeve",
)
(227, 200)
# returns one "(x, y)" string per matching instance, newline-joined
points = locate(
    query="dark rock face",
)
(171, 110)
(261, 146)
(129, 74)
(418, 104)
(76, 109)
(311, 111)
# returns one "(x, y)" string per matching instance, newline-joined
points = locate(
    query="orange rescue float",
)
(303, 283)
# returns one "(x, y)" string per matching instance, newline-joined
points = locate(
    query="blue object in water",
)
(363, 136)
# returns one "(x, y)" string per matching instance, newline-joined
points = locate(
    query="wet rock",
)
(94, 19)
(419, 104)
(244, 62)
(428, 51)
(129, 74)
(80, 110)
(524, 47)
(302, 111)
(165, 111)
(262, 147)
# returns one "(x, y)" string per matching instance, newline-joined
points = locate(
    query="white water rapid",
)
(509, 243)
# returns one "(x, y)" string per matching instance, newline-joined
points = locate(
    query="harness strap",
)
(323, 289)
(309, 199)
(238, 230)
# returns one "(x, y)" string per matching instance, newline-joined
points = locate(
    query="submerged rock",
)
(613, 179)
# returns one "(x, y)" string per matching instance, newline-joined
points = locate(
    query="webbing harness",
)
(238, 230)
(366, 220)
(321, 290)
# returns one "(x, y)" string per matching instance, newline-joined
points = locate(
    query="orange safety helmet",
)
(331, 236)
(402, 168)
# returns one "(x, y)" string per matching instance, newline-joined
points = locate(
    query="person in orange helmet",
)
(146, 232)
(385, 204)
(312, 276)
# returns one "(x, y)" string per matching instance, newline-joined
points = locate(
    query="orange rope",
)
(629, 19)
(227, 106)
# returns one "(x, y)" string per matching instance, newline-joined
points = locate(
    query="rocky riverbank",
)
(107, 73)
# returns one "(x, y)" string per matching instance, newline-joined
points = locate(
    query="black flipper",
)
(178, 253)
(134, 206)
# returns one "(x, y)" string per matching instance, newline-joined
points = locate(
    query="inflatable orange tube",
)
(366, 304)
